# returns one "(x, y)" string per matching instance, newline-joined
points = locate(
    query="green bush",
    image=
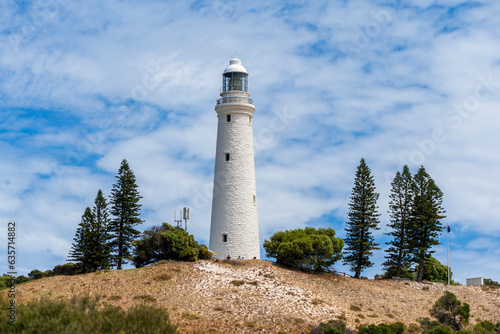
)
(426, 324)
(309, 248)
(5, 281)
(164, 243)
(35, 274)
(332, 327)
(82, 316)
(491, 283)
(204, 253)
(439, 330)
(486, 327)
(435, 271)
(404, 273)
(395, 328)
(67, 269)
(449, 311)
(398, 327)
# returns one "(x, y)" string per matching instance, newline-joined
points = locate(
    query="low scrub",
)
(83, 315)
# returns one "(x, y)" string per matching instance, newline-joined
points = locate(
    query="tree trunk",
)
(120, 247)
(420, 276)
(358, 267)
(398, 268)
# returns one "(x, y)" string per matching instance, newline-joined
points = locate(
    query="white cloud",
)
(90, 85)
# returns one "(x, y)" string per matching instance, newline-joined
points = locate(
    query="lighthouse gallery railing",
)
(234, 99)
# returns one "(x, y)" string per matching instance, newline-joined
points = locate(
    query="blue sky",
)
(85, 85)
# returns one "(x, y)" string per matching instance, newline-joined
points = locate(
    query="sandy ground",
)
(252, 296)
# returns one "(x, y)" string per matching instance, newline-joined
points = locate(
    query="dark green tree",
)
(399, 258)
(91, 249)
(426, 216)
(492, 283)
(309, 248)
(363, 218)
(101, 254)
(81, 245)
(449, 311)
(35, 274)
(164, 242)
(67, 269)
(435, 271)
(125, 208)
(7, 281)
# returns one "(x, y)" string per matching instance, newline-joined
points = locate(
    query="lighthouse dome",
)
(235, 77)
(235, 66)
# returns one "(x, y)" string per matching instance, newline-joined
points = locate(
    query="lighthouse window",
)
(228, 156)
(254, 200)
(235, 81)
(228, 118)
(224, 238)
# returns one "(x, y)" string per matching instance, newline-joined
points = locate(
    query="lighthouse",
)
(234, 228)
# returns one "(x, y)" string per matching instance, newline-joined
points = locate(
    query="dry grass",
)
(201, 298)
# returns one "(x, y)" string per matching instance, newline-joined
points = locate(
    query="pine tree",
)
(399, 258)
(101, 258)
(426, 214)
(80, 248)
(91, 249)
(363, 218)
(125, 209)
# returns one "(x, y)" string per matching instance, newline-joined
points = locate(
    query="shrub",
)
(427, 324)
(395, 328)
(164, 242)
(163, 277)
(67, 269)
(398, 327)
(355, 308)
(413, 329)
(114, 297)
(204, 253)
(491, 283)
(307, 248)
(6, 281)
(332, 327)
(486, 327)
(404, 273)
(84, 315)
(146, 298)
(439, 330)
(237, 282)
(435, 271)
(449, 311)
(190, 316)
(35, 274)
(22, 279)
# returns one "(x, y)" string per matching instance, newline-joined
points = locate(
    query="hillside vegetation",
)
(248, 296)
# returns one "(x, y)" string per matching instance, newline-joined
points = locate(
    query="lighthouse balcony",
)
(234, 99)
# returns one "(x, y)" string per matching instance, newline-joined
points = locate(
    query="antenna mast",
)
(186, 218)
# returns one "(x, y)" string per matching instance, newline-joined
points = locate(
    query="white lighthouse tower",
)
(234, 229)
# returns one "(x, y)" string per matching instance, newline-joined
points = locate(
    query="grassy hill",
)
(248, 296)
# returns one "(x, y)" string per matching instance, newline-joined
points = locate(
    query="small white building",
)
(234, 228)
(474, 281)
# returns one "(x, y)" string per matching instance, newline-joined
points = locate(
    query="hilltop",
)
(247, 296)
